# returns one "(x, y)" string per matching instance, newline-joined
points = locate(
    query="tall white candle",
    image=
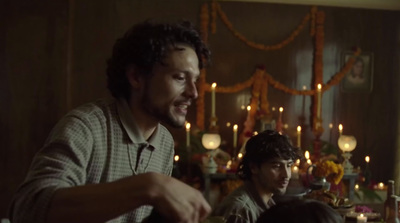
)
(299, 136)
(319, 101)
(340, 129)
(213, 86)
(235, 130)
(187, 134)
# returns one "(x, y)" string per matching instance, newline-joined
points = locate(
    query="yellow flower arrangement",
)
(329, 169)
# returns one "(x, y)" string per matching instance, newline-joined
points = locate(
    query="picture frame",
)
(360, 77)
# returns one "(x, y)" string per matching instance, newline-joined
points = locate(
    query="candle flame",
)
(361, 215)
(228, 124)
(298, 162)
(340, 127)
(248, 108)
(307, 154)
(255, 133)
(280, 109)
(319, 86)
(176, 158)
(299, 129)
(309, 161)
(273, 108)
(214, 85)
(188, 126)
(235, 128)
(381, 185)
(304, 87)
(330, 125)
(367, 159)
(356, 187)
(240, 155)
(295, 168)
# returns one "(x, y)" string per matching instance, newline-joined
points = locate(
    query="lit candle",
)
(295, 172)
(361, 218)
(213, 86)
(176, 158)
(381, 186)
(235, 130)
(297, 163)
(309, 162)
(240, 155)
(330, 132)
(307, 154)
(367, 159)
(356, 187)
(299, 136)
(340, 129)
(319, 87)
(187, 134)
(280, 113)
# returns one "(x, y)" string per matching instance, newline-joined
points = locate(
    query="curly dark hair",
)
(145, 45)
(263, 147)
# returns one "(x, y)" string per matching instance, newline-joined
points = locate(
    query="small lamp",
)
(211, 141)
(347, 144)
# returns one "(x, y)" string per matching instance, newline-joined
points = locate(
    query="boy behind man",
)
(265, 170)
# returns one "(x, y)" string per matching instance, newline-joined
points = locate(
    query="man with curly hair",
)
(265, 170)
(111, 160)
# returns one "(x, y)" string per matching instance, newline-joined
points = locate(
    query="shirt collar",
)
(131, 128)
(257, 198)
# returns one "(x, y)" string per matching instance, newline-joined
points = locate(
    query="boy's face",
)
(172, 86)
(272, 176)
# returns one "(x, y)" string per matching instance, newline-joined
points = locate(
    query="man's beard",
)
(164, 116)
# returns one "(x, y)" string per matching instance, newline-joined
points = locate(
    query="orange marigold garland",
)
(277, 46)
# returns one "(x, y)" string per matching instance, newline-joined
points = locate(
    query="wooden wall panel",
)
(33, 70)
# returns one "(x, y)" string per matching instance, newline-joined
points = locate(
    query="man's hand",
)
(176, 200)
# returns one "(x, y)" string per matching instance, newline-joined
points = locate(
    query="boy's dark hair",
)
(145, 45)
(263, 147)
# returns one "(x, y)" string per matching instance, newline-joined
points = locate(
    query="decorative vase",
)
(317, 183)
(320, 183)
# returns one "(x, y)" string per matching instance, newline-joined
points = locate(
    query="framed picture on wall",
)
(360, 76)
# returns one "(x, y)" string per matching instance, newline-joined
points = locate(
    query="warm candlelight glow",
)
(235, 130)
(381, 186)
(356, 187)
(255, 133)
(299, 136)
(304, 87)
(176, 158)
(330, 125)
(361, 218)
(248, 107)
(240, 155)
(307, 154)
(340, 129)
(228, 124)
(273, 108)
(187, 134)
(187, 126)
(243, 107)
(309, 162)
(297, 162)
(228, 164)
(295, 172)
(367, 159)
(213, 86)
(319, 87)
(280, 109)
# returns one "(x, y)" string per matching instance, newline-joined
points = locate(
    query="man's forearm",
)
(98, 202)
